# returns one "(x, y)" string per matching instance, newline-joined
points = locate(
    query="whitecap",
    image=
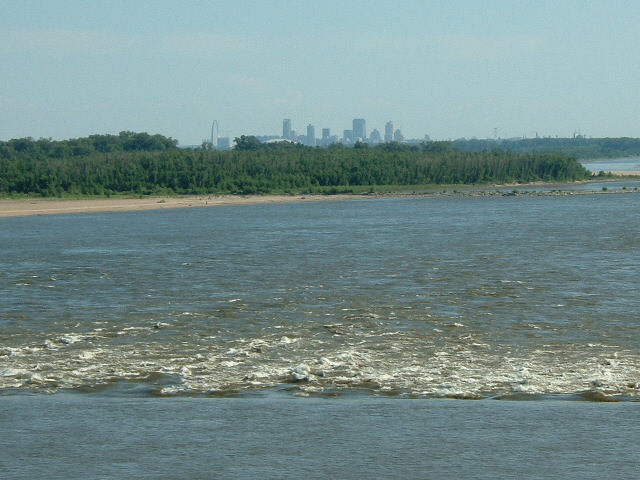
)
(171, 390)
(69, 339)
(86, 355)
(300, 373)
(14, 373)
(34, 378)
(229, 363)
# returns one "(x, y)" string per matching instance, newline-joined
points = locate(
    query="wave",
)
(362, 354)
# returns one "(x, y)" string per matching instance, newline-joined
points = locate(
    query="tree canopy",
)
(152, 164)
(579, 147)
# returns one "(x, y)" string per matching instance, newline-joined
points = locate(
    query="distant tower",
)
(397, 136)
(311, 135)
(286, 128)
(359, 129)
(326, 133)
(215, 129)
(388, 132)
(375, 136)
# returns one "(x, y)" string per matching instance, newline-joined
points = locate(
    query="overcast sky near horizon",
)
(448, 69)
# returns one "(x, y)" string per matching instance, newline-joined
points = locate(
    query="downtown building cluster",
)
(358, 133)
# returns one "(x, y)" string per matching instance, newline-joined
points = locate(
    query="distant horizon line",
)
(407, 140)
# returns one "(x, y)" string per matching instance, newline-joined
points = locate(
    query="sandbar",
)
(52, 206)
(623, 173)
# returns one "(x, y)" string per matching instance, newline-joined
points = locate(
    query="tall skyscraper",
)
(326, 133)
(311, 135)
(359, 129)
(388, 132)
(286, 128)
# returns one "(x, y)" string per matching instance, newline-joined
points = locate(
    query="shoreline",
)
(54, 206)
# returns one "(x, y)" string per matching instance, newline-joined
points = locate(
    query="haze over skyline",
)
(447, 69)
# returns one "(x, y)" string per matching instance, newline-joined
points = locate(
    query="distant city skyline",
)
(357, 133)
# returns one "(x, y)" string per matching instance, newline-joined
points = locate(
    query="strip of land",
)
(51, 206)
(623, 173)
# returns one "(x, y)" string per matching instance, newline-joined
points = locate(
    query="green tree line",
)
(580, 147)
(144, 164)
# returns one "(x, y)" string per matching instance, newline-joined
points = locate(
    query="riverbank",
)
(623, 173)
(53, 206)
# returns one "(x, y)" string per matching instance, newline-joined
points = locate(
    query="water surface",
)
(465, 297)
(631, 164)
(87, 436)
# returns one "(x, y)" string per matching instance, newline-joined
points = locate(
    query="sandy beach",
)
(52, 206)
(615, 173)
(623, 173)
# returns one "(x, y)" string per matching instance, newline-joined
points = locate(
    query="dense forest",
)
(579, 147)
(144, 164)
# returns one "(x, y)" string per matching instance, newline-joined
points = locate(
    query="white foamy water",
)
(464, 297)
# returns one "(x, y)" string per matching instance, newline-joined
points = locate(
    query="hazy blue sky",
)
(448, 69)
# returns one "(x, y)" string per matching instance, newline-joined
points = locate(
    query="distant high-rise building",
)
(286, 128)
(397, 136)
(359, 129)
(347, 136)
(328, 139)
(375, 136)
(224, 143)
(311, 135)
(388, 132)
